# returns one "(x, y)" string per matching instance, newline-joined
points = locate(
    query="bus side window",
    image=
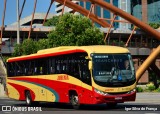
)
(10, 69)
(41, 70)
(85, 73)
(31, 68)
(25, 71)
(58, 68)
(52, 66)
(76, 71)
(52, 70)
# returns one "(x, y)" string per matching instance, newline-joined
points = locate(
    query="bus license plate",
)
(118, 98)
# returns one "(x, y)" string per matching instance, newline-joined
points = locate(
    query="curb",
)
(3, 96)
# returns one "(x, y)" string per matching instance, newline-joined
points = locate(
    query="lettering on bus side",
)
(63, 77)
(109, 89)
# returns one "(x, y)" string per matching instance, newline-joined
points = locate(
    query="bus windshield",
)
(113, 69)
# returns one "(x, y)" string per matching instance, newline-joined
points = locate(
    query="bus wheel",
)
(28, 98)
(75, 101)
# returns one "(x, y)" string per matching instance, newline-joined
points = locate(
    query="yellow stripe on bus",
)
(40, 92)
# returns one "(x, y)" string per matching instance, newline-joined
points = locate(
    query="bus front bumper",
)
(116, 98)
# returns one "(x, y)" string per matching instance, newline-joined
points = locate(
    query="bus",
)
(73, 74)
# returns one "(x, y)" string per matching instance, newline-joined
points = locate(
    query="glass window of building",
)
(106, 13)
(136, 8)
(81, 4)
(116, 24)
(153, 10)
(88, 5)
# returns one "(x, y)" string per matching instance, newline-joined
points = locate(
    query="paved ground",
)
(146, 103)
(149, 97)
(138, 108)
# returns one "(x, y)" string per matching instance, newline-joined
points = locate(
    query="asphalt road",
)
(146, 103)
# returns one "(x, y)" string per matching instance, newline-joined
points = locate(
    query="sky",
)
(11, 11)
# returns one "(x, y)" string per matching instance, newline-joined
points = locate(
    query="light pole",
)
(18, 24)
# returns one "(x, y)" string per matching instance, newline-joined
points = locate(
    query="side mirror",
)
(90, 65)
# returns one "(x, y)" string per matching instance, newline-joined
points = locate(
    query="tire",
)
(75, 101)
(28, 99)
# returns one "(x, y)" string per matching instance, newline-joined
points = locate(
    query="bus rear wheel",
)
(75, 101)
(28, 98)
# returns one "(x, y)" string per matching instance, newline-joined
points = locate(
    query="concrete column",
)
(102, 16)
(85, 5)
(111, 14)
(144, 10)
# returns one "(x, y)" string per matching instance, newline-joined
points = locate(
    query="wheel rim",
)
(28, 100)
(75, 100)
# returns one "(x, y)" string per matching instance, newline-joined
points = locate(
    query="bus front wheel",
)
(28, 98)
(75, 101)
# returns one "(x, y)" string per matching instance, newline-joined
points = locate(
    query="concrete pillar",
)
(144, 11)
(111, 14)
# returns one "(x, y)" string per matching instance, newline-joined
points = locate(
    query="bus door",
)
(86, 82)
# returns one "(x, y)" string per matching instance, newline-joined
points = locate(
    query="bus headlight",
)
(131, 91)
(100, 92)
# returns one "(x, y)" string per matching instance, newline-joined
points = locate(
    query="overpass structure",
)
(148, 63)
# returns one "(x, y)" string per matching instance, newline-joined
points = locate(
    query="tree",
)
(70, 30)
(17, 50)
(29, 47)
(75, 30)
(155, 25)
(52, 22)
(42, 44)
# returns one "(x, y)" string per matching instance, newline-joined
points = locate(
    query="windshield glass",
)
(113, 69)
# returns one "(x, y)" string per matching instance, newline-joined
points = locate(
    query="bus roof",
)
(71, 49)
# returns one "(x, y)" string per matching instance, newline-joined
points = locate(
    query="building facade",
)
(103, 13)
(59, 8)
(146, 10)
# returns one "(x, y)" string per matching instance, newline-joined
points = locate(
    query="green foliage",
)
(5, 58)
(42, 44)
(29, 47)
(75, 30)
(17, 50)
(52, 22)
(155, 25)
(151, 86)
(70, 30)
(157, 90)
(139, 89)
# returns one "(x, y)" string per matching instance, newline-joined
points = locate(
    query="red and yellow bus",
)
(73, 74)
